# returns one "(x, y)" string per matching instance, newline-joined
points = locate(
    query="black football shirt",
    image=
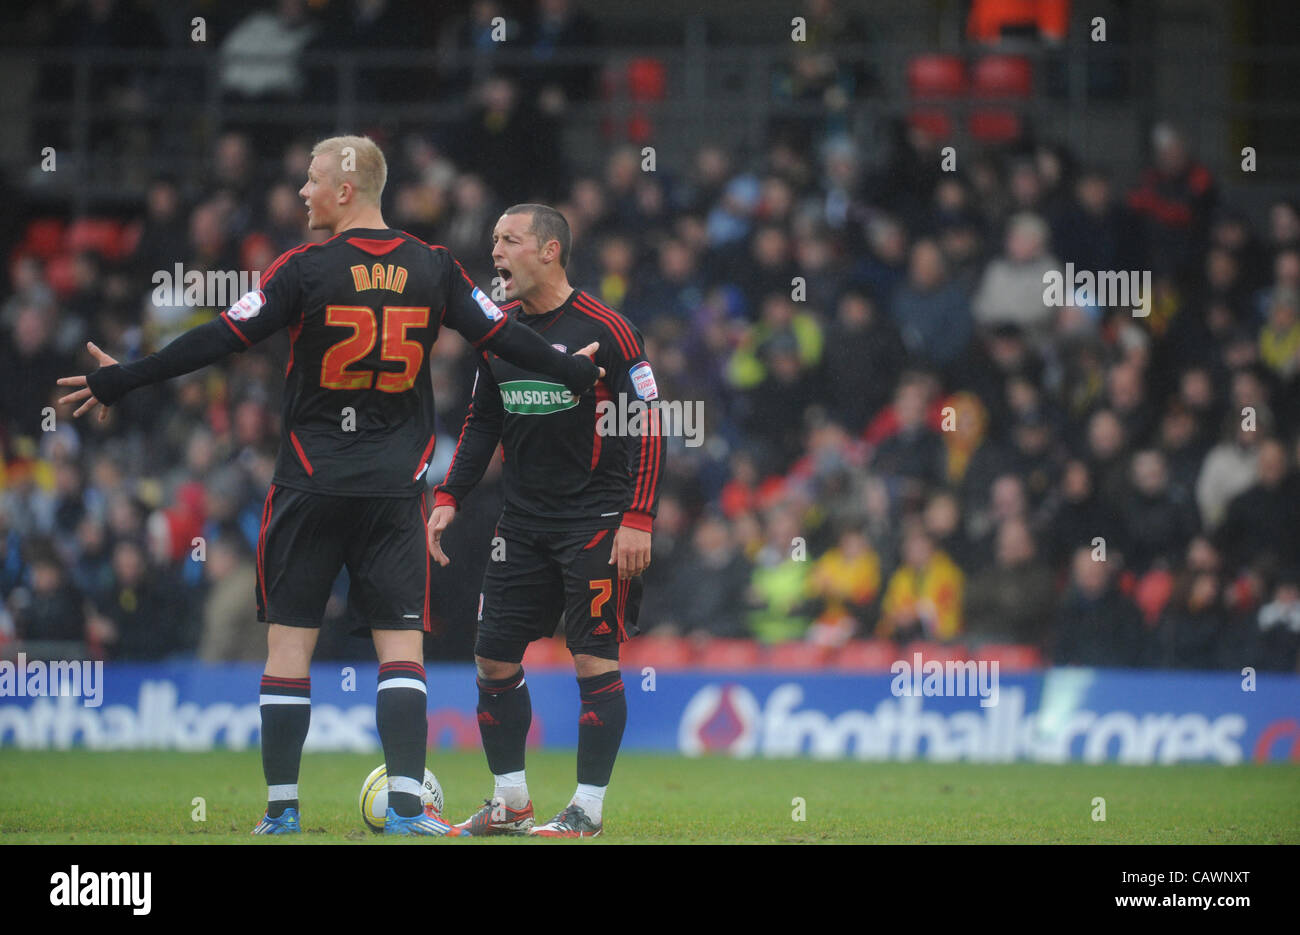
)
(362, 310)
(563, 468)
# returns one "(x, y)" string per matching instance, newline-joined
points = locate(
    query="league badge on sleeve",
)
(247, 307)
(489, 307)
(643, 381)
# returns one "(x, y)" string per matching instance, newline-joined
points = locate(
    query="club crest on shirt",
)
(643, 381)
(247, 307)
(489, 307)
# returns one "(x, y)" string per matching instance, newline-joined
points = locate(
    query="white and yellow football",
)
(374, 796)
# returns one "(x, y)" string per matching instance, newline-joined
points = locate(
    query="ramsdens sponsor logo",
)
(78, 888)
(729, 719)
(536, 397)
(76, 679)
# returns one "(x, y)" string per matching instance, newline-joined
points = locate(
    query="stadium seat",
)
(999, 77)
(97, 235)
(935, 123)
(1002, 76)
(935, 77)
(797, 656)
(1010, 657)
(1152, 593)
(44, 237)
(730, 654)
(661, 652)
(547, 654)
(61, 275)
(647, 79)
(990, 19)
(931, 77)
(994, 126)
(942, 652)
(865, 656)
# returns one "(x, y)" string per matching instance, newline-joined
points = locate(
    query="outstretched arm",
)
(194, 349)
(256, 316)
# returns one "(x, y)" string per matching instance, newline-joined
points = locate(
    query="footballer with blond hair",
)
(362, 309)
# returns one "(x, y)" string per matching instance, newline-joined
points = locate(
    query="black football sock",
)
(285, 704)
(505, 712)
(600, 727)
(400, 715)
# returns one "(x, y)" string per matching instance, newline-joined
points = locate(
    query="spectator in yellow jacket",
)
(923, 599)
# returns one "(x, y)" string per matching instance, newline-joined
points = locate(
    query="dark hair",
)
(548, 224)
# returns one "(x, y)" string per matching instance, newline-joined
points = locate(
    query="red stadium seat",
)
(989, 19)
(935, 123)
(730, 654)
(660, 652)
(44, 237)
(97, 235)
(647, 79)
(994, 126)
(61, 275)
(547, 654)
(941, 652)
(797, 656)
(1011, 657)
(1002, 76)
(936, 76)
(1152, 593)
(865, 656)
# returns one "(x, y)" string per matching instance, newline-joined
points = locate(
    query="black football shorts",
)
(545, 578)
(307, 537)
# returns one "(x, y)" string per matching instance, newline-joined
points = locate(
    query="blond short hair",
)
(368, 169)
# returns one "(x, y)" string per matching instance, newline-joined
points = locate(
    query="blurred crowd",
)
(903, 440)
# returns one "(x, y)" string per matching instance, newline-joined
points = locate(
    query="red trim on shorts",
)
(261, 551)
(424, 512)
(624, 586)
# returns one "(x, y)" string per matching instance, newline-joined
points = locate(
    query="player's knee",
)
(399, 645)
(493, 669)
(289, 650)
(586, 666)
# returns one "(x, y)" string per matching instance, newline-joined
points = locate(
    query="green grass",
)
(146, 798)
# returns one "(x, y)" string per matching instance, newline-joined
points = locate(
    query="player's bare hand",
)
(439, 520)
(590, 353)
(631, 551)
(83, 395)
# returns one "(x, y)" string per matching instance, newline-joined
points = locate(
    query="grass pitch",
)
(106, 798)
